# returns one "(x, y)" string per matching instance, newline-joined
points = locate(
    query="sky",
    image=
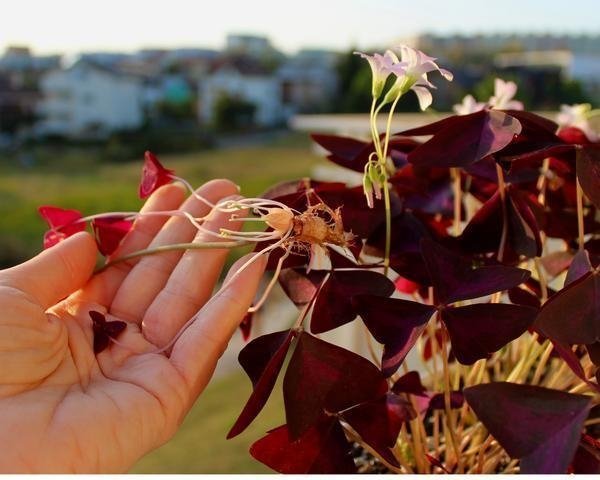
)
(66, 26)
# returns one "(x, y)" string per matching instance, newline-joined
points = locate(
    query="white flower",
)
(381, 67)
(503, 96)
(468, 105)
(418, 65)
(578, 116)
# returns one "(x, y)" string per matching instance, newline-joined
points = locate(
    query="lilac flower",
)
(578, 116)
(418, 65)
(468, 105)
(503, 96)
(381, 67)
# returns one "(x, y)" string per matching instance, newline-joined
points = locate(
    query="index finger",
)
(197, 351)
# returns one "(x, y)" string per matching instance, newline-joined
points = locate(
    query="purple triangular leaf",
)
(378, 423)
(323, 449)
(587, 457)
(262, 360)
(438, 401)
(467, 139)
(333, 306)
(322, 377)
(395, 323)
(540, 426)
(300, 286)
(410, 382)
(572, 316)
(580, 265)
(104, 331)
(454, 278)
(476, 331)
(588, 172)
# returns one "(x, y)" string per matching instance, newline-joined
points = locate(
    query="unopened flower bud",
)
(279, 219)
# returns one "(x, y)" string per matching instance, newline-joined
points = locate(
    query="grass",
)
(79, 179)
(200, 445)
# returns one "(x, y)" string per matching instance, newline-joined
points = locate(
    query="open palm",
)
(65, 409)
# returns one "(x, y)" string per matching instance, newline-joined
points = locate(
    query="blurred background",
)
(231, 89)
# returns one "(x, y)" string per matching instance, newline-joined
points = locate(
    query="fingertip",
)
(219, 187)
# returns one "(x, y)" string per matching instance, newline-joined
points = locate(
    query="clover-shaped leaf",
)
(154, 175)
(324, 378)
(62, 222)
(541, 427)
(572, 316)
(454, 278)
(333, 306)
(459, 141)
(478, 330)
(109, 232)
(395, 323)
(379, 421)
(104, 330)
(322, 448)
(262, 360)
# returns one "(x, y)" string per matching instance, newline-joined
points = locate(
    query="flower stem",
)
(173, 247)
(455, 172)
(502, 192)
(580, 225)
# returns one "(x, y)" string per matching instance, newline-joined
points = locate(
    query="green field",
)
(200, 445)
(81, 179)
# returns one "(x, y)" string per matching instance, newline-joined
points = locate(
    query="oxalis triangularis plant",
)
(473, 244)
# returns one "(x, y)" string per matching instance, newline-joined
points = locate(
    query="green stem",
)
(388, 226)
(171, 248)
(386, 190)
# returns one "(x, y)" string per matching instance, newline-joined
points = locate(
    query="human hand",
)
(65, 409)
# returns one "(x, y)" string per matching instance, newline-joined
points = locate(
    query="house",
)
(308, 81)
(245, 79)
(91, 100)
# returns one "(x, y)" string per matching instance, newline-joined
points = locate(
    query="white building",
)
(308, 81)
(246, 80)
(90, 100)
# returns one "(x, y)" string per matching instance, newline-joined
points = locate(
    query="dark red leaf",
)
(300, 286)
(572, 316)
(395, 323)
(104, 331)
(345, 151)
(246, 325)
(540, 426)
(154, 175)
(476, 331)
(454, 278)
(323, 377)
(109, 232)
(262, 360)
(438, 402)
(586, 459)
(520, 296)
(333, 306)
(410, 382)
(62, 222)
(588, 172)
(379, 421)
(466, 139)
(323, 448)
(484, 231)
(580, 265)
(572, 360)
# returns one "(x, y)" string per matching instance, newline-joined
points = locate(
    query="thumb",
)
(55, 273)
